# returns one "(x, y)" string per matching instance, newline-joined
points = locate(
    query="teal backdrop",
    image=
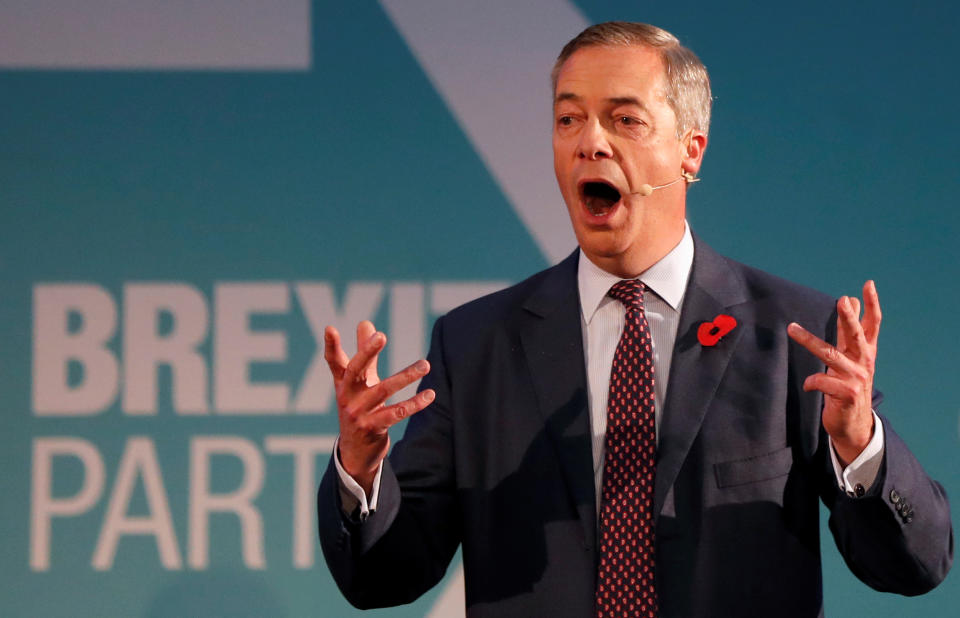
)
(190, 190)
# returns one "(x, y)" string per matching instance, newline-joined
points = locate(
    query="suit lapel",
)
(553, 347)
(696, 370)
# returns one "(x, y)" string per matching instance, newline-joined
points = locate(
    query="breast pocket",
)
(753, 469)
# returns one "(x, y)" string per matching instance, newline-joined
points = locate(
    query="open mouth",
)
(599, 197)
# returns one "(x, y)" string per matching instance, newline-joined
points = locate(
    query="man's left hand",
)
(847, 385)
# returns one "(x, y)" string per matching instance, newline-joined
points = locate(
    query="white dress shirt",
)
(601, 321)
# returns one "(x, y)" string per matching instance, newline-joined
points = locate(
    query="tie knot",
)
(629, 292)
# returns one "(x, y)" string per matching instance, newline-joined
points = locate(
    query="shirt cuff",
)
(857, 478)
(351, 494)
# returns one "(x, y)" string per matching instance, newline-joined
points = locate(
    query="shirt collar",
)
(667, 278)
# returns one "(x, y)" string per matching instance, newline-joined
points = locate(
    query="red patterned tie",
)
(625, 581)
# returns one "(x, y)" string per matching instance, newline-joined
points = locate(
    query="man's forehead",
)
(620, 72)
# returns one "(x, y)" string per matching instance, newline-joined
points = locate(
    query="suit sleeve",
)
(403, 548)
(898, 536)
(885, 549)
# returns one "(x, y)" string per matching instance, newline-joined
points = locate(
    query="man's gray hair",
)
(688, 85)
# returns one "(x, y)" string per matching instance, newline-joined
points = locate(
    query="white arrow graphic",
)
(491, 61)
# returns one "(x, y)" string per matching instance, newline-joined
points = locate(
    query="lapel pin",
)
(710, 333)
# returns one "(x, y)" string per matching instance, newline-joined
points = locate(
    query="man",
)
(644, 429)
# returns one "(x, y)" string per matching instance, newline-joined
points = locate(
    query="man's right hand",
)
(364, 419)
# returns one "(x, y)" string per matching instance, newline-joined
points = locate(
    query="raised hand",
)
(364, 419)
(847, 384)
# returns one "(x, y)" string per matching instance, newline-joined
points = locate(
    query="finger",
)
(387, 417)
(831, 386)
(332, 352)
(848, 323)
(375, 396)
(356, 371)
(856, 306)
(841, 331)
(871, 312)
(830, 355)
(365, 330)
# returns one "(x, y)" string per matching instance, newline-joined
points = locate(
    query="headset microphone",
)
(645, 190)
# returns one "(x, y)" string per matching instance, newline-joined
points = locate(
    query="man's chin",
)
(601, 251)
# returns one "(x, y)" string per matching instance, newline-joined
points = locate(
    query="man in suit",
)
(749, 421)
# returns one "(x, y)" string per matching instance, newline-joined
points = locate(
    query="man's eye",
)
(628, 121)
(565, 121)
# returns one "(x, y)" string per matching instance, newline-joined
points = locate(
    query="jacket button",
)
(907, 519)
(894, 496)
(858, 490)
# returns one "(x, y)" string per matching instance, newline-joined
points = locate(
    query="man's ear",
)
(694, 144)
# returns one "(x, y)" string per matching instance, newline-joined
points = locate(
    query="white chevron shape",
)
(490, 61)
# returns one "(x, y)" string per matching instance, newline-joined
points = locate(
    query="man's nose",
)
(593, 142)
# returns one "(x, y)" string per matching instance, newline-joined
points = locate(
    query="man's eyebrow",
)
(627, 101)
(567, 96)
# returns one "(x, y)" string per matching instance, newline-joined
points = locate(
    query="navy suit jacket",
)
(501, 463)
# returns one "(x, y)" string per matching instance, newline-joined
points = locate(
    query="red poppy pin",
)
(710, 333)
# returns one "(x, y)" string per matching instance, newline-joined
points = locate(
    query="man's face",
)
(613, 132)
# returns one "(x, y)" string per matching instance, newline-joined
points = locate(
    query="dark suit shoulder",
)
(502, 307)
(795, 301)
